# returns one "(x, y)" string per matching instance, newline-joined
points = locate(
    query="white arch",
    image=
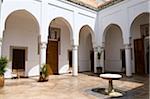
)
(105, 32)
(91, 32)
(113, 42)
(7, 13)
(19, 37)
(136, 14)
(105, 27)
(136, 18)
(135, 33)
(85, 48)
(30, 14)
(68, 25)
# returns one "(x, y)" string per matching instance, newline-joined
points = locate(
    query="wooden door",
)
(70, 58)
(139, 56)
(52, 57)
(92, 60)
(18, 60)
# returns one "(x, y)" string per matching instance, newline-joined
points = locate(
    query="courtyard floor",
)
(68, 87)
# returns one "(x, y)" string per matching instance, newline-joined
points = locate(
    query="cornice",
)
(101, 7)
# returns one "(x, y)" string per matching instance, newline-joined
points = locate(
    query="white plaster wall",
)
(136, 8)
(0, 8)
(0, 23)
(65, 45)
(121, 14)
(46, 11)
(113, 44)
(22, 31)
(136, 34)
(76, 15)
(85, 46)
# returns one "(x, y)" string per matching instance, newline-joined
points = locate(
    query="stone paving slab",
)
(68, 87)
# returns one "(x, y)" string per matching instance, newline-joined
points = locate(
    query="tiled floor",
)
(68, 87)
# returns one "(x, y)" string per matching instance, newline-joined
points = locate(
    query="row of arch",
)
(21, 35)
(112, 39)
(3, 25)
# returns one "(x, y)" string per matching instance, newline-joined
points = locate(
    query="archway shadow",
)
(89, 73)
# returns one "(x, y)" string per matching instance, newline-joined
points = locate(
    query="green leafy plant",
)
(44, 73)
(3, 65)
(44, 70)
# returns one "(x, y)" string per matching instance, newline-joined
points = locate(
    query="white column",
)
(95, 60)
(43, 53)
(0, 7)
(0, 47)
(0, 29)
(128, 60)
(75, 60)
(102, 59)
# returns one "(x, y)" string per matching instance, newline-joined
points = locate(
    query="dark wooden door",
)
(92, 60)
(70, 58)
(139, 56)
(123, 60)
(52, 56)
(18, 60)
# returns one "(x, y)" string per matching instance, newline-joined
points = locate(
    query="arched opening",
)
(59, 49)
(140, 43)
(114, 50)
(20, 44)
(86, 53)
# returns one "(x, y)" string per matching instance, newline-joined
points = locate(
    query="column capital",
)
(95, 49)
(43, 45)
(75, 47)
(127, 46)
(1, 41)
(102, 48)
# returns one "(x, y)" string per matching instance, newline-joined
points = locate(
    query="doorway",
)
(52, 57)
(146, 48)
(18, 62)
(123, 58)
(70, 60)
(139, 56)
(85, 49)
(92, 60)
(113, 41)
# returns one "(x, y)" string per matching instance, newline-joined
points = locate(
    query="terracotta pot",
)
(1, 80)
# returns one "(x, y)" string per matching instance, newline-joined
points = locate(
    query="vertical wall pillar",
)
(102, 59)
(0, 29)
(128, 60)
(0, 47)
(0, 8)
(43, 53)
(95, 60)
(75, 60)
(98, 62)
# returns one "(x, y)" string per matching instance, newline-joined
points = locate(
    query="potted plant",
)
(44, 73)
(3, 65)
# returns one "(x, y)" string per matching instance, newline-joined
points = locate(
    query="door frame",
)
(92, 60)
(57, 56)
(11, 56)
(146, 54)
(123, 60)
(137, 70)
(18, 47)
